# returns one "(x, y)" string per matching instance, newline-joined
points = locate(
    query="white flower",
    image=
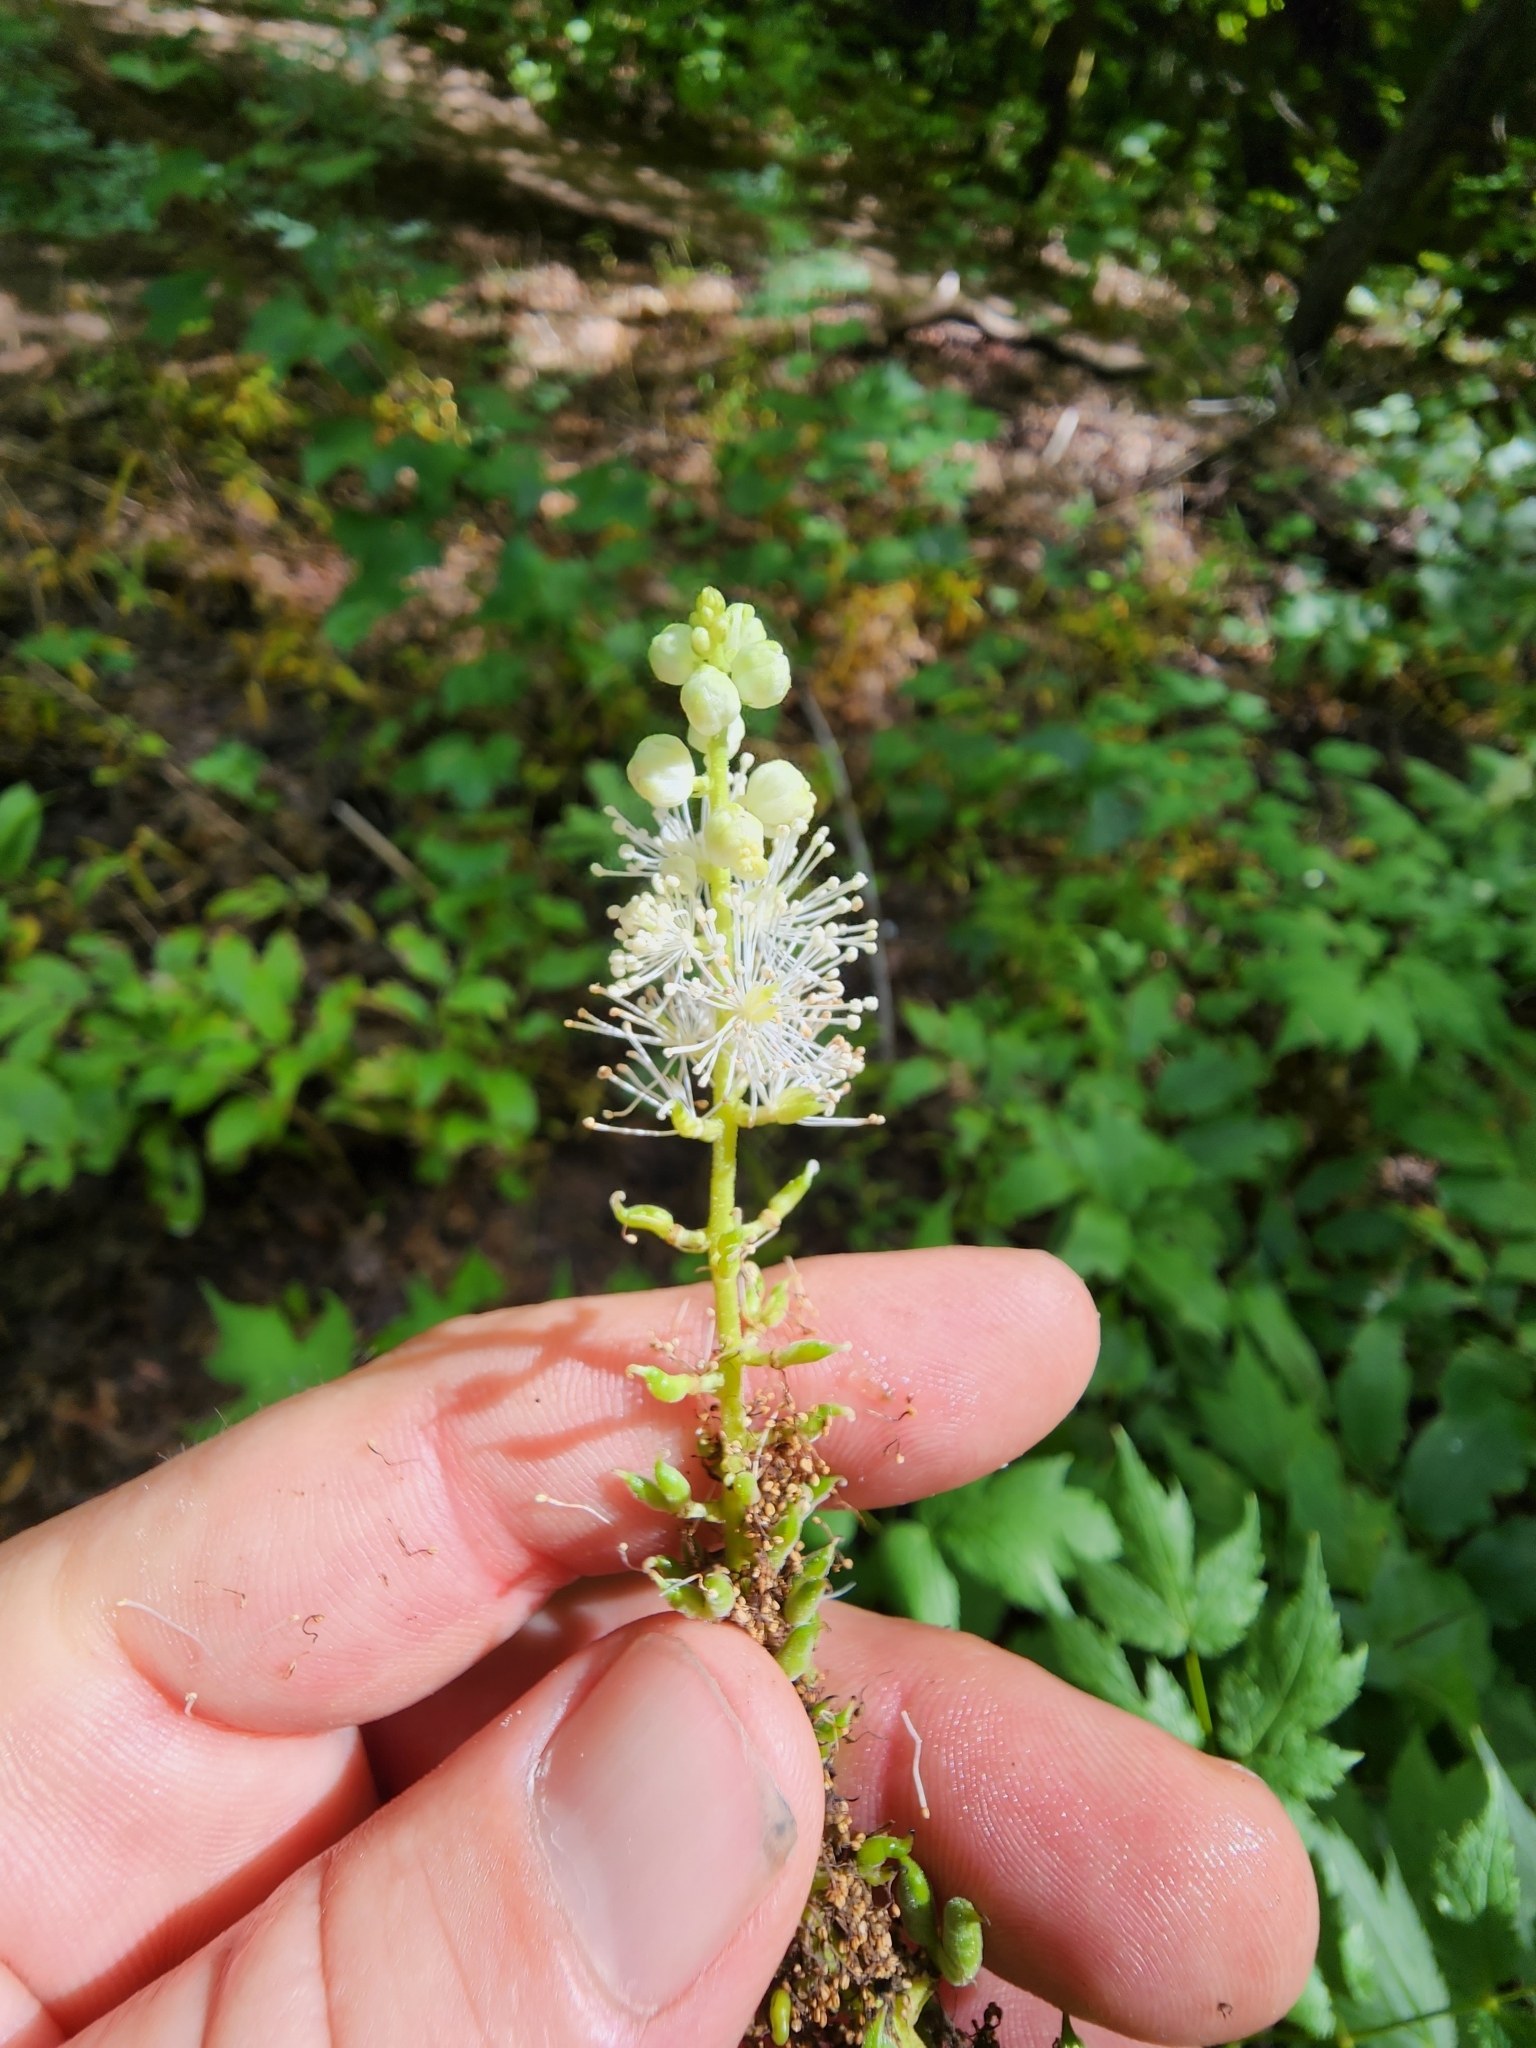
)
(736, 1007)
(739, 629)
(710, 701)
(662, 770)
(761, 675)
(725, 982)
(733, 839)
(672, 657)
(779, 796)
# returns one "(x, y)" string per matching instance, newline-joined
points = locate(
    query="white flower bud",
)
(733, 839)
(762, 675)
(672, 657)
(740, 629)
(779, 796)
(699, 641)
(662, 770)
(735, 733)
(710, 701)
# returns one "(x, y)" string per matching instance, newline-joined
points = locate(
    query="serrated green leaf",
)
(1521, 1824)
(1392, 1982)
(1313, 2011)
(1090, 1658)
(1023, 1530)
(1475, 1872)
(1132, 1612)
(1294, 1680)
(265, 1358)
(1157, 1527)
(476, 1285)
(1229, 1587)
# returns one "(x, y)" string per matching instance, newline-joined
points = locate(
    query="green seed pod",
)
(776, 1307)
(960, 1944)
(914, 1896)
(673, 1488)
(810, 1583)
(644, 1491)
(688, 1597)
(719, 1593)
(779, 2011)
(876, 1851)
(794, 1660)
(675, 1386)
(806, 1351)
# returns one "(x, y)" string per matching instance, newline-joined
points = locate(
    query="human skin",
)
(344, 1729)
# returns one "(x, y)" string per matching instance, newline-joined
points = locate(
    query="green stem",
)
(1490, 2002)
(723, 1232)
(1196, 1679)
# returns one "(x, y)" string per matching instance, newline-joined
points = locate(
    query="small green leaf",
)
(1229, 1587)
(1521, 1825)
(1475, 1873)
(21, 821)
(1022, 1530)
(1294, 1680)
(476, 1285)
(264, 1357)
(421, 954)
(234, 769)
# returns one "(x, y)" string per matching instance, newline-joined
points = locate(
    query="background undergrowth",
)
(1187, 714)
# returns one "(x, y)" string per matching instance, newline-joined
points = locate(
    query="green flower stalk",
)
(725, 992)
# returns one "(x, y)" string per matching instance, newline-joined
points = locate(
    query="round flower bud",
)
(662, 770)
(735, 733)
(761, 674)
(779, 796)
(710, 608)
(740, 629)
(672, 657)
(710, 701)
(733, 839)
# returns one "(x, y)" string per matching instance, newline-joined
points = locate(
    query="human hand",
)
(224, 1689)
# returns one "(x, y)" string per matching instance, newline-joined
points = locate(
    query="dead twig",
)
(380, 847)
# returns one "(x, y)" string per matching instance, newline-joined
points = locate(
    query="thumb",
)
(617, 1862)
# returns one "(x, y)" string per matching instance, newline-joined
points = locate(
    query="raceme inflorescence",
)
(726, 995)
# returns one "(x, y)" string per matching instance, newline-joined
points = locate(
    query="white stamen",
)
(917, 1758)
(547, 1500)
(158, 1616)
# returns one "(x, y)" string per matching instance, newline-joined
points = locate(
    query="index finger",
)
(352, 1549)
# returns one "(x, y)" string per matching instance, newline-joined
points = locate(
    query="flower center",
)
(759, 1006)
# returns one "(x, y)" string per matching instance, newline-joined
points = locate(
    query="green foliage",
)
(475, 1285)
(96, 1055)
(1216, 895)
(265, 1354)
